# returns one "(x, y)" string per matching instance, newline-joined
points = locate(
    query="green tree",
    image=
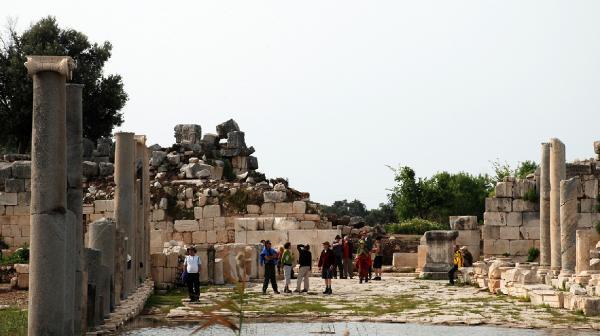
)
(525, 168)
(103, 96)
(345, 208)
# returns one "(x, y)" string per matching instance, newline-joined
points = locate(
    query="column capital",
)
(64, 65)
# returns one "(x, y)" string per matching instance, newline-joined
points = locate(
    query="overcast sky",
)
(330, 92)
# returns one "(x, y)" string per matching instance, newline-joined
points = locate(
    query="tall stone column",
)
(102, 238)
(545, 206)
(48, 229)
(568, 223)
(74, 258)
(125, 203)
(558, 170)
(582, 249)
(143, 210)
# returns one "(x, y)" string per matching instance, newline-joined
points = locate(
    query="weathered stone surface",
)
(519, 247)
(495, 247)
(185, 225)
(522, 187)
(490, 232)
(468, 237)
(199, 237)
(544, 215)
(157, 158)
(8, 198)
(274, 196)
(211, 211)
(590, 188)
(284, 208)
(498, 204)
(253, 209)
(557, 174)
(106, 168)
(14, 185)
(464, 223)
(246, 224)
(568, 222)
(510, 232)
(285, 224)
(531, 219)
(236, 139)
(89, 169)
(582, 250)
(21, 169)
(514, 219)
(440, 246)
(584, 220)
(299, 207)
(188, 133)
(530, 232)
(226, 127)
(504, 189)
(520, 205)
(495, 218)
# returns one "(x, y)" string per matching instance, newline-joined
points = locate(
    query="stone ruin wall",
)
(512, 223)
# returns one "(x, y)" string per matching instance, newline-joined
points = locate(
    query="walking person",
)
(305, 261)
(338, 252)
(363, 264)
(457, 263)
(326, 265)
(378, 262)
(268, 258)
(286, 261)
(192, 265)
(347, 252)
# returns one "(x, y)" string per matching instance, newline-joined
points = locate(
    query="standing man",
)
(268, 258)
(338, 252)
(305, 261)
(192, 266)
(457, 262)
(326, 265)
(347, 251)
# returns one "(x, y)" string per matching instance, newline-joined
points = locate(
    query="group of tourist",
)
(461, 258)
(335, 261)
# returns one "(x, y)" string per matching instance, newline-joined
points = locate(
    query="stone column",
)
(545, 206)
(568, 223)
(582, 248)
(125, 203)
(440, 252)
(102, 238)
(143, 214)
(47, 290)
(74, 253)
(557, 173)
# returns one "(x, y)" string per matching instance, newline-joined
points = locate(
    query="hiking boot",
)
(360, 281)
(296, 291)
(326, 291)
(329, 292)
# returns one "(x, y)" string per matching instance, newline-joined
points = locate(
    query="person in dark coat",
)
(326, 265)
(305, 261)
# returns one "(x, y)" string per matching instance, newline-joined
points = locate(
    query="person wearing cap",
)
(326, 265)
(467, 257)
(305, 261)
(192, 265)
(268, 258)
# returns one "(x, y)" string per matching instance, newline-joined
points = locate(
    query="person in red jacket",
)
(363, 264)
(326, 265)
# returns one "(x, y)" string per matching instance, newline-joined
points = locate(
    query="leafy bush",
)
(415, 226)
(533, 254)
(20, 256)
(532, 195)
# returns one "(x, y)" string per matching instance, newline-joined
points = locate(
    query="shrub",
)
(532, 196)
(20, 256)
(415, 226)
(533, 254)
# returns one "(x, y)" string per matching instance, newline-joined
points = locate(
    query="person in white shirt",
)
(192, 266)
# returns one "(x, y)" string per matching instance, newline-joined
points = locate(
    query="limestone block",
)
(277, 238)
(24, 198)
(498, 204)
(199, 237)
(246, 224)
(211, 237)
(530, 232)
(206, 224)
(14, 185)
(172, 260)
(253, 209)
(520, 247)
(104, 206)
(521, 187)
(198, 212)
(284, 208)
(402, 260)
(584, 220)
(211, 211)
(158, 215)
(240, 237)
(21, 169)
(21, 210)
(274, 196)
(327, 235)
(183, 225)
(312, 217)
(587, 205)
(22, 268)
(490, 232)
(307, 225)
(282, 223)
(504, 189)
(302, 237)
(468, 237)
(495, 247)
(531, 219)
(203, 254)
(158, 260)
(268, 223)
(23, 280)
(520, 205)
(88, 209)
(299, 207)
(8, 198)
(219, 280)
(514, 219)
(267, 208)
(222, 236)
(495, 218)
(187, 237)
(510, 232)
(219, 223)
(464, 223)
(590, 188)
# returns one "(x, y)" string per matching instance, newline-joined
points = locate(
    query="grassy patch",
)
(13, 322)
(165, 302)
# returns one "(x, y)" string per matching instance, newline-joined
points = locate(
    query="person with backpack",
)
(286, 262)
(305, 261)
(326, 265)
(268, 258)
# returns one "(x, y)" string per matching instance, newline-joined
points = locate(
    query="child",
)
(363, 264)
(286, 261)
(326, 264)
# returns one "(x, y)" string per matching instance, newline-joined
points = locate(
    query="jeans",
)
(451, 274)
(348, 268)
(193, 283)
(270, 276)
(303, 275)
(287, 274)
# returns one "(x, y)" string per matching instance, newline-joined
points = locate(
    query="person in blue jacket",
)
(268, 258)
